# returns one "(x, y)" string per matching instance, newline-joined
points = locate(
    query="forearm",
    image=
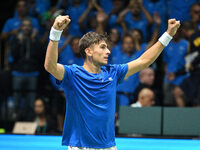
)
(152, 54)
(145, 60)
(84, 15)
(154, 37)
(98, 7)
(51, 56)
(121, 15)
(147, 15)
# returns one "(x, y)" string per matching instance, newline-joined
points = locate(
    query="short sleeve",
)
(66, 76)
(36, 24)
(6, 27)
(164, 56)
(121, 71)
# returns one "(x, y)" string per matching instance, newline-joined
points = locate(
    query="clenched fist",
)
(61, 22)
(173, 26)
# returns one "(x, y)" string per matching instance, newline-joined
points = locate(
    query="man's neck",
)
(91, 67)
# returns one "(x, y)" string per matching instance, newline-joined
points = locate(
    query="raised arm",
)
(154, 37)
(51, 65)
(146, 13)
(152, 53)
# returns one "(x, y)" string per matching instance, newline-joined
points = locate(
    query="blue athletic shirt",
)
(90, 105)
(174, 56)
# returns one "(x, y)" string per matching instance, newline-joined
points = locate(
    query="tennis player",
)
(90, 89)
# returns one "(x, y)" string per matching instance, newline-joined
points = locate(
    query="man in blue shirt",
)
(125, 54)
(174, 60)
(12, 25)
(90, 89)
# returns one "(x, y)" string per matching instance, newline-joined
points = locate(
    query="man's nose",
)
(108, 51)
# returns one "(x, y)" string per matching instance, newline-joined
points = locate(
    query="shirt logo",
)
(110, 79)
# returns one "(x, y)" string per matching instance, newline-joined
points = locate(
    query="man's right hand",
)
(173, 26)
(61, 22)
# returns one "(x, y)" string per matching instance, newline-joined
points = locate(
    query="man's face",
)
(74, 45)
(114, 35)
(118, 4)
(39, 107)
(195, 13)
(148, 77)
(99, 53)
(26, 27)
(136, 35)
(21, 8)
(135, 9)
(127, 45)
(148, 100)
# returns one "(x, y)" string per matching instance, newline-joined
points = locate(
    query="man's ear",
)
(88, 52)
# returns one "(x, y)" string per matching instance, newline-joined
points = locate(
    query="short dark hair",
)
(194, 4)
(74, 38)
(187, 25)
(89, 39)
(127, 35)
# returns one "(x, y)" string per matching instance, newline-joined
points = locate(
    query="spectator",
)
(145, 98)
(12, 25)
(75, 11)
(138, 37)
(174, 59)
(96, 21)
(70, 55)
(158, 7)
(195, 15)
(187, 92)
(128, 53)
(188, 29)
(45, 123)
(115, 38)
(147, 77)
(180, 9)
(26, 61)
(118, 6)
(136, 16)
(37, 7)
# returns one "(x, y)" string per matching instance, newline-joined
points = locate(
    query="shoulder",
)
(11, 21)
(72, 67)
(184, 41)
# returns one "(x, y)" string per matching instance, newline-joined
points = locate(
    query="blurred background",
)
(162, 100)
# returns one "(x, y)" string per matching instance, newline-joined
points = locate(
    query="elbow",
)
(48, 67)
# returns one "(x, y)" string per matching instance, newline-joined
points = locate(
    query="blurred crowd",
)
(29, 93)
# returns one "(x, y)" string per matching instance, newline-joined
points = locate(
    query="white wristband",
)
(165, 39)
(55, 34)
